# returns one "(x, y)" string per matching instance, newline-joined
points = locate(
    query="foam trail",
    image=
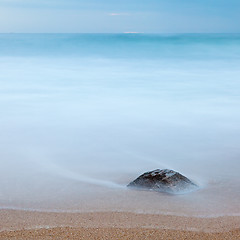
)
(66, 173)
(74, 176)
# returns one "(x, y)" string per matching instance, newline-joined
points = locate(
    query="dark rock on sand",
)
(164, 181)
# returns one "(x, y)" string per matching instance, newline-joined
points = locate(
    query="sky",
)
(118, 16)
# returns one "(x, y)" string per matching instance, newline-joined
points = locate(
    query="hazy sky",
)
(149, 16)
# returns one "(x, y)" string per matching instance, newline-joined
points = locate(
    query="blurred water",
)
(85, 110)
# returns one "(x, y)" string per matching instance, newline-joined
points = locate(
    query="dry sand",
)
(16, 224)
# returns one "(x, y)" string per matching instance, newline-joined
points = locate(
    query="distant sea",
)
(82, 115)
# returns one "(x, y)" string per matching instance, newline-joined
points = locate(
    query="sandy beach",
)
(16, 224)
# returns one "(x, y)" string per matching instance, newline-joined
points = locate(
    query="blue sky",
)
(114, 16)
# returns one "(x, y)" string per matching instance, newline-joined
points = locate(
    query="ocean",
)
(82, 115)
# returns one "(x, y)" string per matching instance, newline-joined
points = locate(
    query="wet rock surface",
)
(164, 180)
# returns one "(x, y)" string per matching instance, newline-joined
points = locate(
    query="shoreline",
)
(68, 211)
(20, 224)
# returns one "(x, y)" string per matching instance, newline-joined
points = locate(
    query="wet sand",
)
(16, 224)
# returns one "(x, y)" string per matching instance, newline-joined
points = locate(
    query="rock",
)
(164, 181)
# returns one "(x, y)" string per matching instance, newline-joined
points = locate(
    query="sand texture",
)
(115, 233)
(15, 224)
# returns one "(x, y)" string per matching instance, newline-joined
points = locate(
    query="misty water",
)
(82, 115)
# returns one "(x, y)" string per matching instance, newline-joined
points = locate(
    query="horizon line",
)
(127, 32)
